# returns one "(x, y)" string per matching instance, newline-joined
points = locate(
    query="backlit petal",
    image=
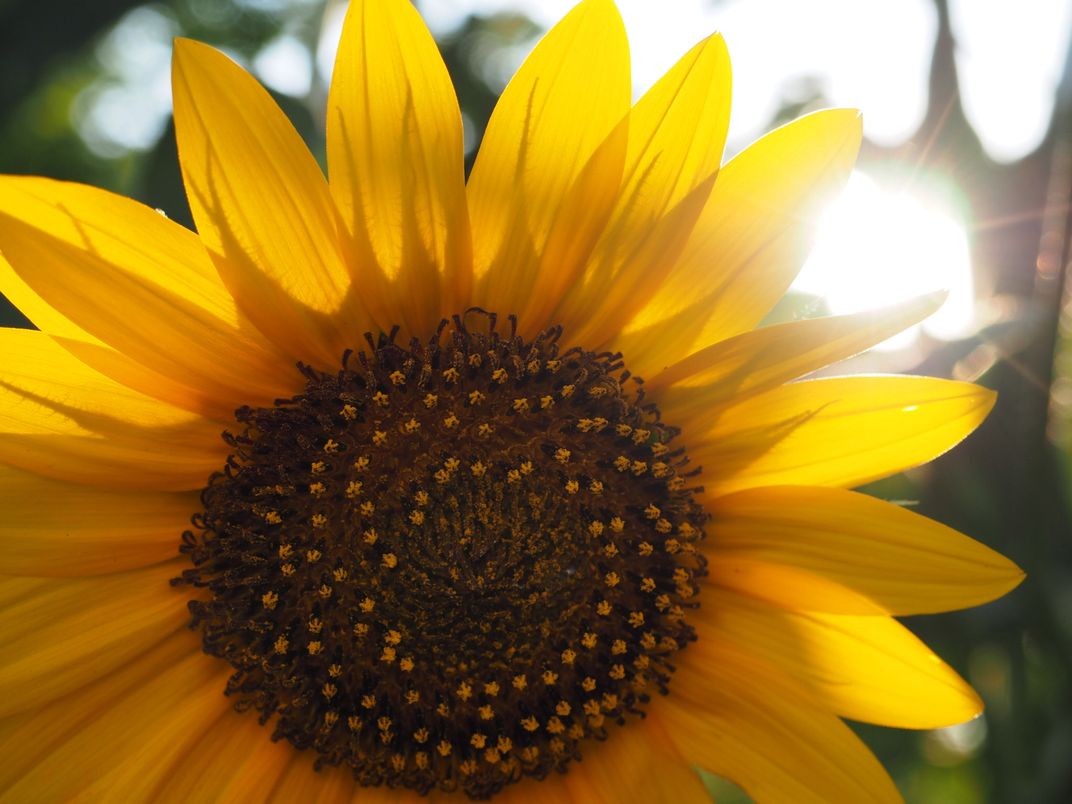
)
(94, 531)
(235, 762)
(129, 745)
(746, 721)
(26, 739)
(789, 544)
(842, 431)
(754, 233)
(639, 763)
(560, 105)
(757, 361)
(395, 163)
(71, 632)
(62, 419)
(302, 782)
(98, 264)
(262, 207)
(868, 668)
(676, 134)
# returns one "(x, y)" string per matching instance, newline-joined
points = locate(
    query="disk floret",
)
(449, 565)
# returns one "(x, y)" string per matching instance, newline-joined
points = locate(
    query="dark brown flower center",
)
(449, 565)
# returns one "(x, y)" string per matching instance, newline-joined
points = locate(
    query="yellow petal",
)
(235, 761)
(638, 762)
(147, 767)
(262, 207)
(164, 464)
(754, 233)
(128, 747)
(26, 739)
(61, 419)
(13, 589)
(576, 229)
(868, 668)
(94, 531)
(676, 135)
(41, 314)
(560, 105)
(588, 314)
(101, 265)
(217, 405)
(555, 789)
(746, 721)
(759, 360)
(788, 586)
(842, 431)
(71, 632)
(93, 352)
(395, 161)
(208, 399)
(902, 561)
(39, 373)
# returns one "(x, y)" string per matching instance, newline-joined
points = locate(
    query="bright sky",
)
(876, 246)
(871, 54)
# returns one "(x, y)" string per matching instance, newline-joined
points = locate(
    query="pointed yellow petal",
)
(41, 314)
(94, 531)
(74, 631)
(26, 739)
(868, 668)
(129, 745)
(842, 431)
(262, 207)
(562, 103)
(395, 162)
(755, 231)
(207, 398)
(744, 720)
(61, 419)
(97, 263)
(39, 373)
(588, 314)
(757, 361)
(676, 135)
(902, 561)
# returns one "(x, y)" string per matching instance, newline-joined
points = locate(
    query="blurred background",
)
(965, 182)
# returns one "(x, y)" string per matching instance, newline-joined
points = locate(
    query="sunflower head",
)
(459, 549)
(509, 478)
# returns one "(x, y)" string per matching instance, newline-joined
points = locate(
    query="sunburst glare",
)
(877, 246)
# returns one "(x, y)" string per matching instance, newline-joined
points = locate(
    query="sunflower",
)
(449, 543)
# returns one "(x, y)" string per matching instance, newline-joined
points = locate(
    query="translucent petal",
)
(536, 146)
(841, 431)
(395, 162)
(797, 546)
(262, 207)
